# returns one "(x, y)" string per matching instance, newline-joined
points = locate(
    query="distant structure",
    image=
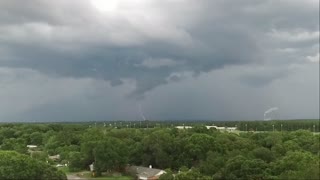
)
(55, 157)
(183, 127)
(91, 166)
(144, 173)
(32, 146)
(229, 129)
(32, 149)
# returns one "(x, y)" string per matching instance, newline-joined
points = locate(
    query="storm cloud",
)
(95, 60)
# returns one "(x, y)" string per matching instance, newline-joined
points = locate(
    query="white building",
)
(230, 129)
(183, 127)
(32, 146)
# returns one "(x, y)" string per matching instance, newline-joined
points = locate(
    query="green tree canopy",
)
(18, 166)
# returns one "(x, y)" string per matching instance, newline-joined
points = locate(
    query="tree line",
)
(185, 154)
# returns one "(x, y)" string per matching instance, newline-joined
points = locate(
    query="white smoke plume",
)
(269, 111)
(141, 113)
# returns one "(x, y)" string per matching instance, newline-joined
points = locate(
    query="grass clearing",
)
(64, 169)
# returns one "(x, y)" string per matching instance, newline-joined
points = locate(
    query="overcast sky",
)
(93, 60)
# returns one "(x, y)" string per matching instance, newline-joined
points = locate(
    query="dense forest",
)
(196, 153)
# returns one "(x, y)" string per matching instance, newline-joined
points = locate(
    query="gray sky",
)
(91, 60)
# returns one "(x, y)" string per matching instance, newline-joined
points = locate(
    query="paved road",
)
(74, 177)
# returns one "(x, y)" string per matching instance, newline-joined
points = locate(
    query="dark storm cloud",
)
(148, 46)
(71, 39)
(258, 80)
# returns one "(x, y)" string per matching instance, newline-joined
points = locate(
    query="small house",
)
(55, 157)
